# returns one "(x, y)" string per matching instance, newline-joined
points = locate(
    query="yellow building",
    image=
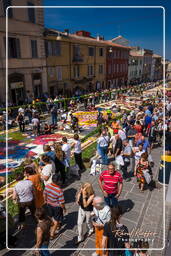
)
(76, 63)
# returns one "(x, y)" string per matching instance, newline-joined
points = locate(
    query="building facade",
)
(76, 63)
(168, 70)
(117, 57)
(147, 65)
(156, 68)
(27, 76)
(135, 68)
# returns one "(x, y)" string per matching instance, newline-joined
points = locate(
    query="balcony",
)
(78, 58)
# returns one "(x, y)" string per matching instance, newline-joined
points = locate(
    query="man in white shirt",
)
(102, 145)
(66, 148)
(101, 215)
(36, 125)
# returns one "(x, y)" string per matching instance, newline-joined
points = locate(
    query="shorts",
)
(55, 212)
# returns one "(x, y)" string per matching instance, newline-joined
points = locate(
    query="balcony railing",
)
(78, 59)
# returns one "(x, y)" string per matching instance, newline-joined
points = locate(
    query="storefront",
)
(37, 85)
(16, 89)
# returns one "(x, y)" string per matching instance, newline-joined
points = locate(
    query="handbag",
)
(147, 176)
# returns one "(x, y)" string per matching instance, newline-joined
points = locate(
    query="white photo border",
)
(164, 80)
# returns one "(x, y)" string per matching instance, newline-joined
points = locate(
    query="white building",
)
(135, 67)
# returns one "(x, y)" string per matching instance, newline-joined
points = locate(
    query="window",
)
(117, 71)
(101, 52)
(34, 49)
(76, 70)
(59, 73)
(53, 48)
(90, 51)
(76, 50)
(90, 70)
(14, 47)
(101, 68)
(109, 69)
(114, 68)
(7, 3)
(31, 12)
(51, 72)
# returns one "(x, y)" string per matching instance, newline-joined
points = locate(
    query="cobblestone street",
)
(142, 211)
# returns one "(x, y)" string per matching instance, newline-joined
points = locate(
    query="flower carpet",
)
(26, 146)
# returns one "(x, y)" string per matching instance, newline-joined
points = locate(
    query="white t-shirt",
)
(35, 121)
(122, 135)
(102, 216)
(48, 170)
(66, 148)
(21, 110)
(77, 147)
(103, 141)
(24, 190)
(138, 155)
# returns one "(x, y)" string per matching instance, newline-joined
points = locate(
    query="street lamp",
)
(58, 37)
(110, 49)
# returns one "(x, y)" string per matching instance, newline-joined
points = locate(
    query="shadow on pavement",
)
(126, 205)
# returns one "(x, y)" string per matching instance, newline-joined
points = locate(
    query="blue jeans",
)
(103, 153)
(54, 119)
(111, 200)
(44, 252)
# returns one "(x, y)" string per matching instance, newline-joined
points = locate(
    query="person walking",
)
(37, 184)
(60, 166)
(54, 113)
(47, 170)
(78, 153)
(54, 198)
(84, 199)
(24, 194)
(115, 235)
(102, 145)
(100, 216)
(111, 184)
(66, 148)
(20, 120)
(36, 125)
(42, 232)
(127, 155)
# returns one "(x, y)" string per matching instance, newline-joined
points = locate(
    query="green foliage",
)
(12, 208)
(12, 175)
(89, 151)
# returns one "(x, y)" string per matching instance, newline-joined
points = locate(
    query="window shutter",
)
(18, 53)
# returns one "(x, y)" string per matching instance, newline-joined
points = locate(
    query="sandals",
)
(21, 227)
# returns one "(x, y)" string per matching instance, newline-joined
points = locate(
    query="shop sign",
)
(17, 85)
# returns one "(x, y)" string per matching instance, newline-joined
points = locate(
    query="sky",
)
(141, 26)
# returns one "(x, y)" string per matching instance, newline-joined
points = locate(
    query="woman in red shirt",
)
(138, 127)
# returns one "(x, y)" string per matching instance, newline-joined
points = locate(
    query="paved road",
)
(142, 210)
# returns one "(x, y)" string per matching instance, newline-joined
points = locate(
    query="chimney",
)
(100, 38)
(83, 33)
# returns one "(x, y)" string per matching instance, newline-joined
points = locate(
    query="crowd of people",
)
(123, 148)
